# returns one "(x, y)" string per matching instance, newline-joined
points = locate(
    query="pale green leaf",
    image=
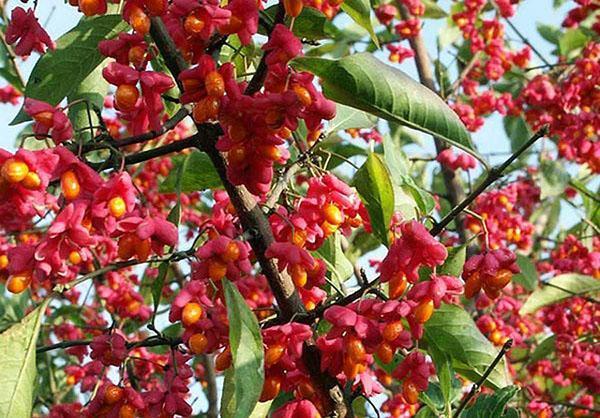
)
(560, 288)
(197, 174)
(360, 12)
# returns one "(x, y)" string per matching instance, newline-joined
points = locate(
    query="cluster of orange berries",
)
(113, 395)
(491, 285)
(207, 108)
(15, 171)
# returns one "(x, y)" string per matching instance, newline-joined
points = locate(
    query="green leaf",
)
(347, 117)
(570, 284)
(158, 284)
(517, 131)
(360, 12)
(91, 90)
(554, 178)
(445, 373)
(18, 371)
(363, 82)
(433, 11)
(246, 350)
(491, 405)
(528, 277)
(197, 173)
(572, 41)
(550, 33)
(59, 73)
(310, 24)
(334, 258)
(543, 349)
(373, 183)
(452, 330)
(453, 266)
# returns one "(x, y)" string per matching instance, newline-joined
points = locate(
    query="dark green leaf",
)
(18, 371)
(364, 82)
(453, 266)
(336, 261)
(58, 73)
(246, 350)
(452, 331)
(372, 181)
(491, 405)
(528, 277)
(570, 284)
(544, 349)
(360, 12)
(158, 283)
(310, 24)
(198, 174)
(517, 131)
(550, 33)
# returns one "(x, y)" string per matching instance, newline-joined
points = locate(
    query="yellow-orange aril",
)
(472, 285)
(333, 214)
(385, 352)
(271, 388)
(74, 257)
(223, 360)
(90, 7)
(198, 343)
(214, 84)
(113, 394)
(424, 310)
(233, 26)
(232, 252)
(206, 109)
(192, 312)
(45, 118)
(193, 24)
(139, 21)
(136, 55)
(32, 181)
(117, 206)
(397, 285)
(501, 279)
(14, 171)
(410, 393)
(217, 269)
(127, 411)
(126, 97)
(274, 354)
(298, 273)
(303, 94)
(392, 330)
(17, 283)
(3, 261)
(70, 185)
(355, 350)
(293, 8)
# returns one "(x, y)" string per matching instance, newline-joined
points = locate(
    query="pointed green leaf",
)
(347, 117)
(197, 174)
(452, 331)
(247, 354)
(364, 82)
(528, 277)
(360, 12)
(492, 405)
(334, 258)
(373, 183)
(453, 266)
(92, 91)
(560, 288)
(18, 371)
(58, 73)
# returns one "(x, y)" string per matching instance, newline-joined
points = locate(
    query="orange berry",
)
(214, 84)
(17, 283)
(293, 8)
(501, 279)
(193, 24)
(298, 273)
(216, 269)
(275, 119)
(198, 343)
(232, 252)
(143, 249)
(70, 185)
(333, 214)
(136, 55)
(491, 292)
(126, 97)
(392, 330)
(3, 261)
(299, 237)
(14, 171)
(270, 152)
(206, 109)
(127, 411)
(126, 246)
(191, 313)
(223, 360)
(472, 285)
(156, 7)
(274, 354)
(385, 352)
(71, 380)
(496, 337)
(310, 305)
(410, 392)
(271, 388)
(74, 257)
(236, 155)
(32, 181)
(355, 350)
(303, 95)
(90, 7)
(139, 21)
(46, 118)
(424, 310)
(117, 206)
(113, 394)
(233, 26)
(397, 285)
